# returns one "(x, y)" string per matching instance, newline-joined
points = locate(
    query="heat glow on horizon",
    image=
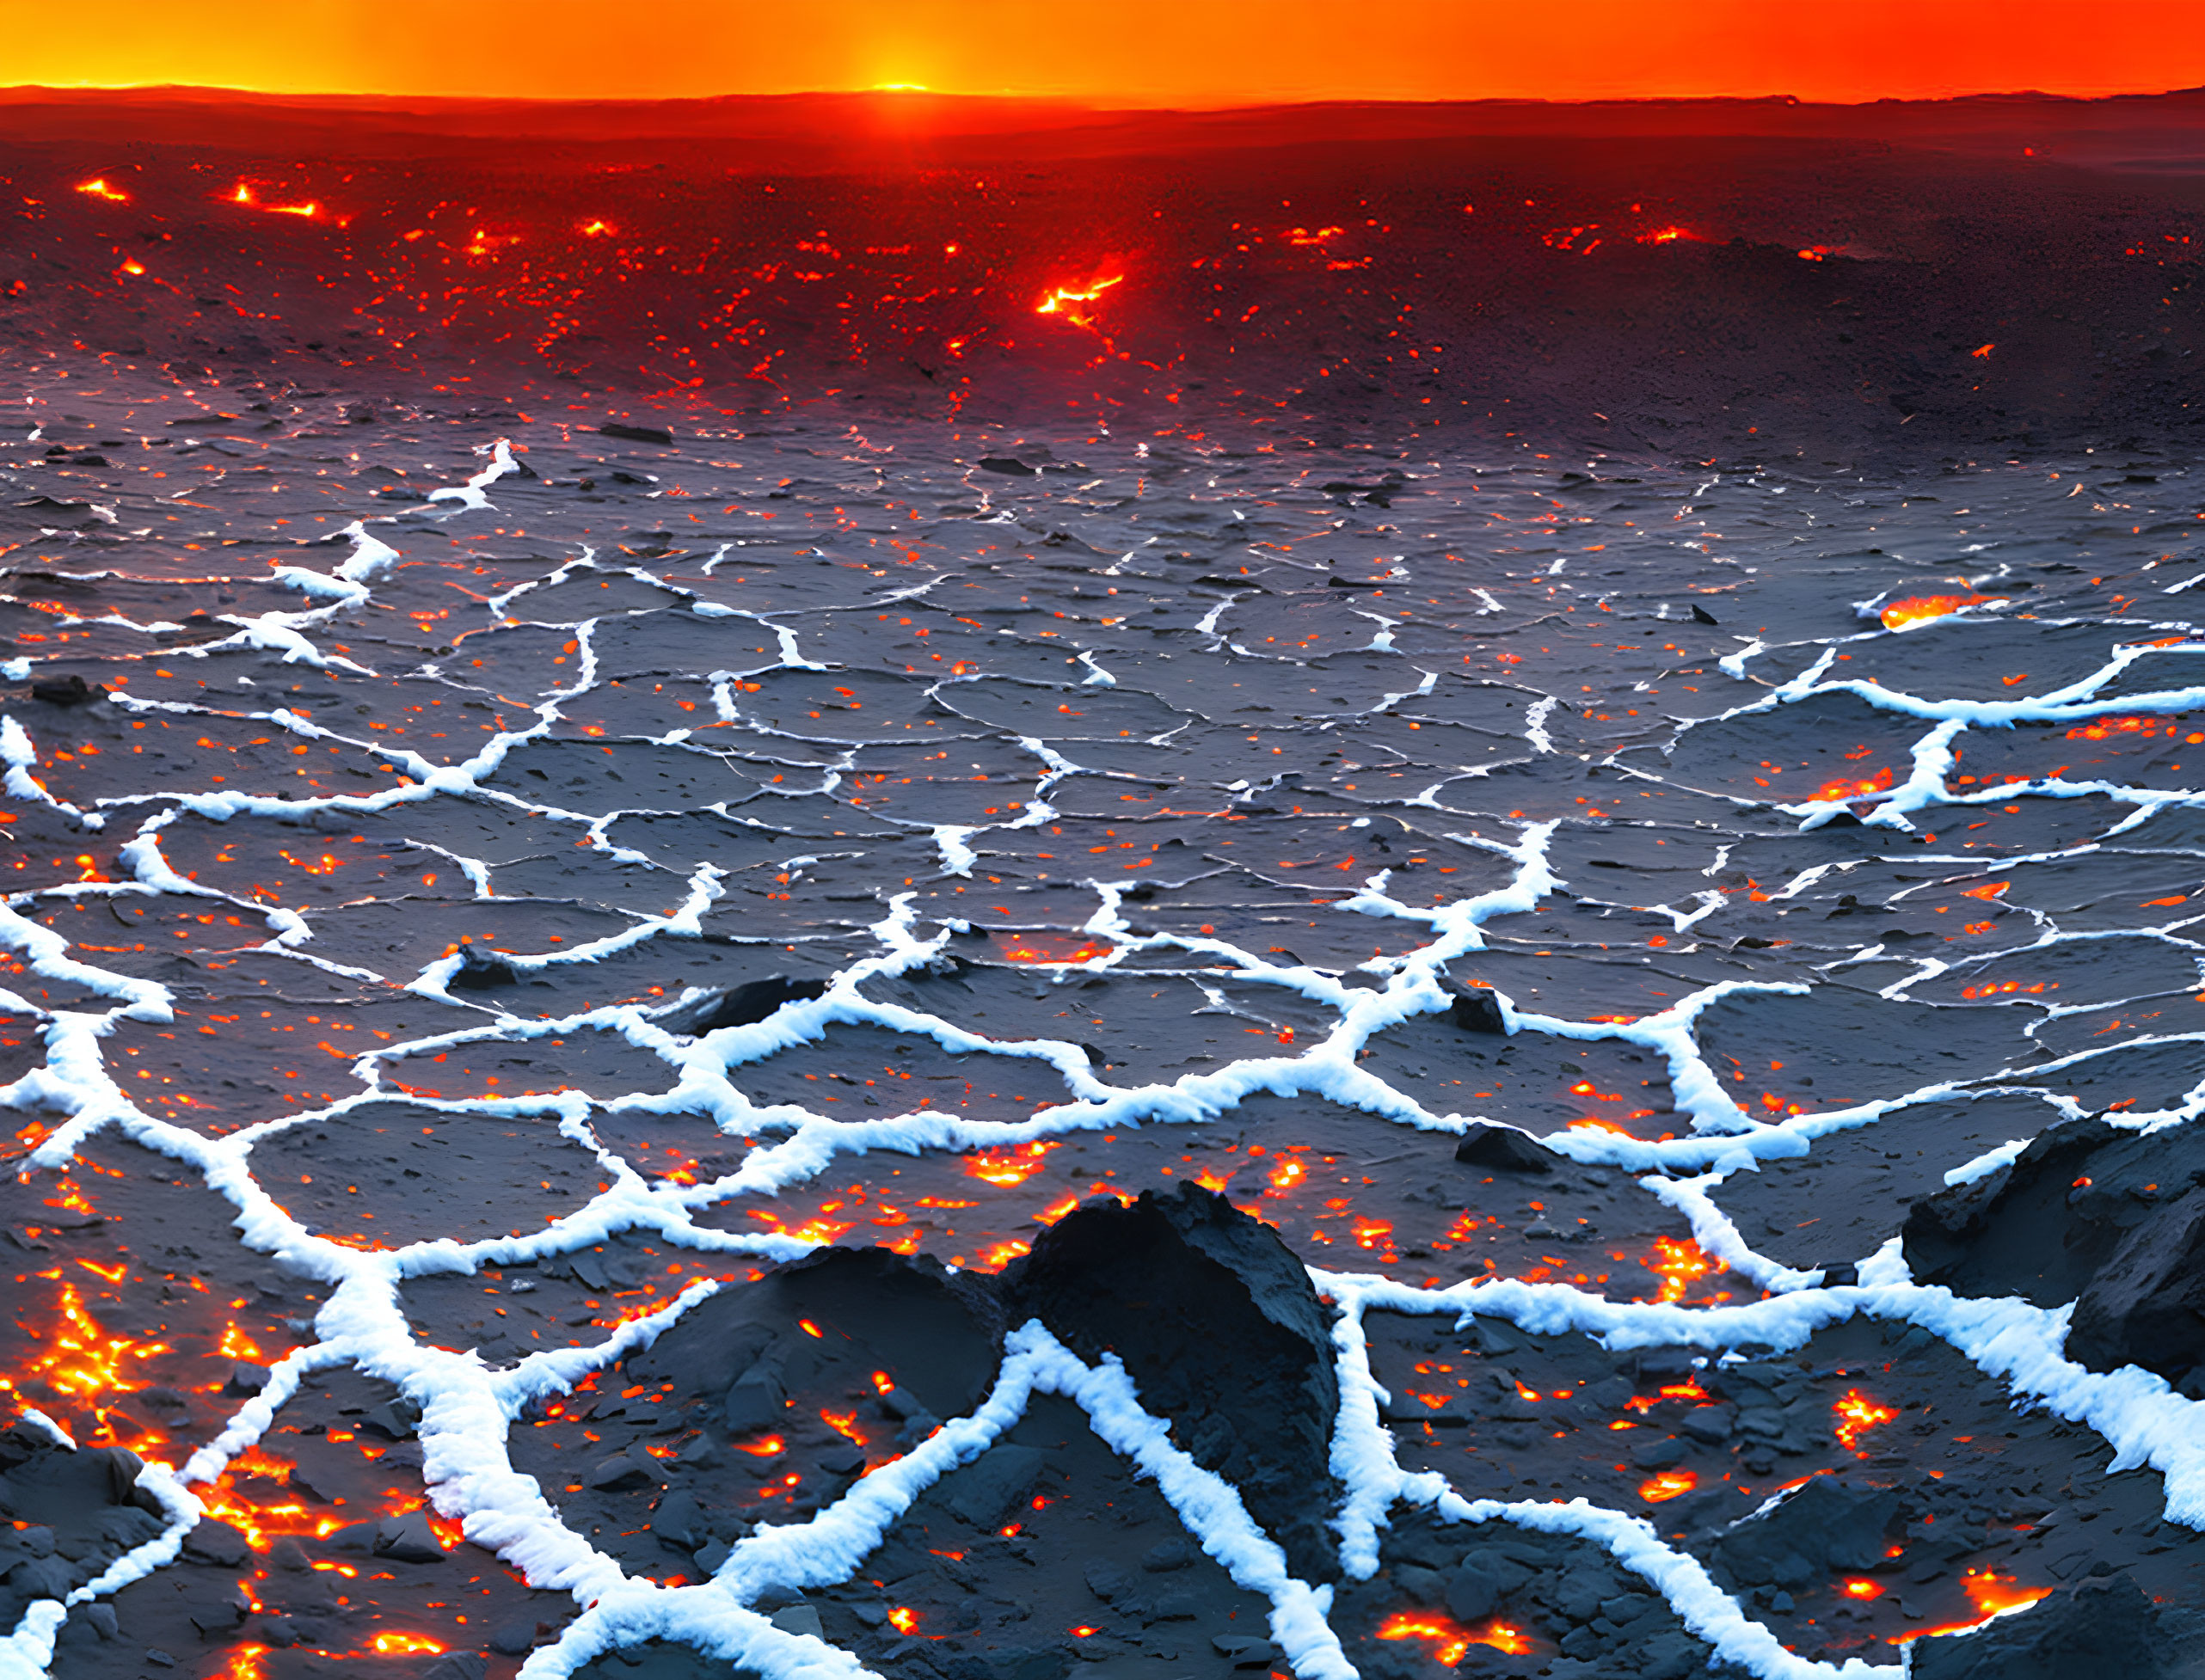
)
(1143, 53)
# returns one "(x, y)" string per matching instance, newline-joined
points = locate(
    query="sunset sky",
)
(1126, 52)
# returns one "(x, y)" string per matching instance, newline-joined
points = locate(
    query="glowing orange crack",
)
(1065, 300)
(1991, 1593)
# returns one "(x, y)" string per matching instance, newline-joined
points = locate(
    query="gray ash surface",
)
(651, 1038)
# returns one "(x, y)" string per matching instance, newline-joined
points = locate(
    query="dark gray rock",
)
(217, 1543)
(1474, 1009)
(1221, 1333)
(407, 1538)
(1502, 1149)
(1820, 1528)
(755, 1401)
(515, 1638)
(42, 1578)
(2098, 1626)
(985, 1492)
(618, 1473)
(678, 1521)
(1473, 1592)
(2147, 1304)
(2042, 1226)
(1168, 1554)
(739, 1006)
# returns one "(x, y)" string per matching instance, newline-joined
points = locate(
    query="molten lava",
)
(1679, 1263)
(1991, 1593)
(1919, 609)
(1069, 301)
(1843, 788)
(80, 1359)
(1011, 1166)
(1857, 1415)
(263, 1520)
(1447, 1640)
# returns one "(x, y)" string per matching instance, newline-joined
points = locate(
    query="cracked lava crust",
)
(1079, 910)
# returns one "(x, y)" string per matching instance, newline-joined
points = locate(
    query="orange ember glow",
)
(1669, 1485)
(1860, 1587)
(99, 189)
(244, 194)
(996, 1255)
(1030, 948)
(1919, 609)
(263, 1518)
(403, 1644)
(1011, 1166)
(903, 1619)
(764, 1447)
(1071, 301)
(1679, 1263)
(1842, 788)
(1449, 1640)
(1991, 1593)
(1857, 1415)
(2102, 727)
(79, 1358)
(597, 230)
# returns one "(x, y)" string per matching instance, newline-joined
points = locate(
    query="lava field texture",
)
(1020, 735)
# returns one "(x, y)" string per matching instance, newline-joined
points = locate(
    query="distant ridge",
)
(2151, 130)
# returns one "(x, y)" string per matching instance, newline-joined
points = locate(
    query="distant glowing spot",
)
(597, 230)
(99, 189)
(1066, 300)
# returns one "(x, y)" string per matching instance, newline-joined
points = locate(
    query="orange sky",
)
(1132, 51)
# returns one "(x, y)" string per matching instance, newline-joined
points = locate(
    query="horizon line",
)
(1082, 101)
